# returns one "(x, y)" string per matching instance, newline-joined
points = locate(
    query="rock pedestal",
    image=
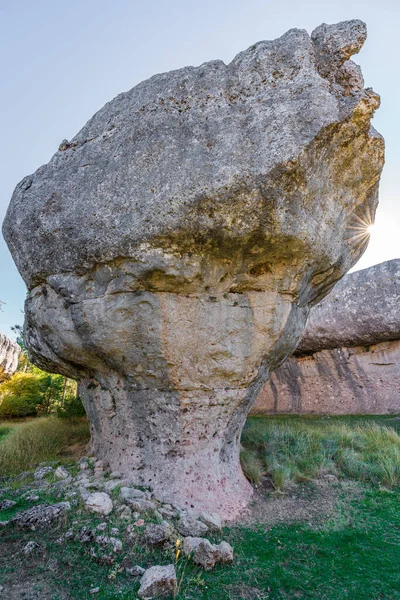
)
(9, 353)
(185, 231)
(348, 361)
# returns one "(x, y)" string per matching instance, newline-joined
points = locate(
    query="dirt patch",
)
(314, 502)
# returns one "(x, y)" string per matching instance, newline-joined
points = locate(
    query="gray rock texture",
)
(185, 231)
(348, 361)
(158, 582)
(9, 353)
(362, 309)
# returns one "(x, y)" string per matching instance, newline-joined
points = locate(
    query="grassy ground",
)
(351, 552)
(293, 449)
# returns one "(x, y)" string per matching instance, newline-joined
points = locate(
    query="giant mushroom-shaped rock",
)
(173, 247)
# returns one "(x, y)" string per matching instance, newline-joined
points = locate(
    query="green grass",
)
(38, 440)
(350, 553)
(297, 450)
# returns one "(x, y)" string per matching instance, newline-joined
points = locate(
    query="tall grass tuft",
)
(295, 450)
(37, 441)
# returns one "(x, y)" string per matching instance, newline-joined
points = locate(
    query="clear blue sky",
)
(61, 61)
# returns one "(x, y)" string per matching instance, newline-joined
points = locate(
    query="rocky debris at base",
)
(105, 540)
(61, 473)
(206, 554)
(40, 516)
(213, 522)
(156, 535)
(30, 547)
(190, 525)
(99, 502)
(158, 582)
(4, 504)
(42, 472)
(135, 571)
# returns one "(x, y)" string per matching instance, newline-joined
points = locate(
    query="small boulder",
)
(30, 547)
(189, 525)
(158, 582)
(42, 472)
(156, 535)
(61, 473)
(206, 554)
(135, 571)
(124, 512)
(213, 521)
(4, 504)
(112, 484)
(40, 516)
(128, 493)
(100, 503)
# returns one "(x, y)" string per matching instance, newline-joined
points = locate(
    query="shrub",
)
(21, 395)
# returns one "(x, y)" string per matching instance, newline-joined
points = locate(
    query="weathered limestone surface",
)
(348, 361)
(185, 231)
(9, 353)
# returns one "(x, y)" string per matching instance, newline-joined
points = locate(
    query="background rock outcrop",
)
(185, 231)
(9, 353)
(348, 361)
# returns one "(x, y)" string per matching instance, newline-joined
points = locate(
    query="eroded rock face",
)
(186, 230)
(9, 353)
(348, 361)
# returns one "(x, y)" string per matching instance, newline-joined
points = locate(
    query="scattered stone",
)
(205, 554)
(135, 571)
(189, 525)
(158, 582)
(94, 590)
(156, 535)
(213, 522)
(169, 513)
(112, 484)
(101, 527)
(4, 504)
(53, 565)
(4, 523)
(40, 516)
(115, 475)
(42, 472)
(61, 473)
(128, 493)
(31, 497)
(99, 502)
(105, 540)
(30, 547)
(85, 535)
(124, 512)
(139, 523)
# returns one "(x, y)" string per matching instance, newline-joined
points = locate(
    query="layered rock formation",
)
(9, 353)
(348, 361)
(184, 233)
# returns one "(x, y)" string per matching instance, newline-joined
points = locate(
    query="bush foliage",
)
(33, 392)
